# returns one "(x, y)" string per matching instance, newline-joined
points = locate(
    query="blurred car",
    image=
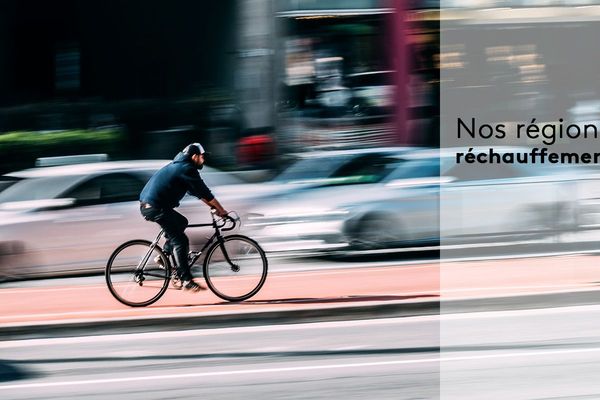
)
(311, 169)
(312, 217)
(372, 93)
(68, 219)
(397, 203)
(7, 181)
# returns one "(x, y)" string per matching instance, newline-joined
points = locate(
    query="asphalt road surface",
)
(383, 359)
(550, 353)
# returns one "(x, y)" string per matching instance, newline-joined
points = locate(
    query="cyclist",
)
(162, 194)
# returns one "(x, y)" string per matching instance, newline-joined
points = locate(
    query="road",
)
(528, 354)
(548, 353)
(347, 359)
(511, 344)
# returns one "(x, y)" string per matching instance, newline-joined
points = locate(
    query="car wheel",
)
(375, 232)
(548, 220)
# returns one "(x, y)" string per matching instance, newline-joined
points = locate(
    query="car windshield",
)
(410, 169)
(309, 169)
(37, 189)
(7, 181)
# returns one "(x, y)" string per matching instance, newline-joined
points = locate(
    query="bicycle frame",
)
(217, 235)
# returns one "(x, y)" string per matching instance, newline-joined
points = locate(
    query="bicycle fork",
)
(234, 267)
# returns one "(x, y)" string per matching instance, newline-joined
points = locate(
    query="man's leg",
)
(167, 248)
(174, 225)
(155, 214)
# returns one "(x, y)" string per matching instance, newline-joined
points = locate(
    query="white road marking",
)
(293, 369)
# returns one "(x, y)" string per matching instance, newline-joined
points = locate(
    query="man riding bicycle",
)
(162, 194)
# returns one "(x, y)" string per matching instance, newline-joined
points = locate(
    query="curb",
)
(69, 328)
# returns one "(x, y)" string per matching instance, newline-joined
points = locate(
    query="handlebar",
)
(225, 220)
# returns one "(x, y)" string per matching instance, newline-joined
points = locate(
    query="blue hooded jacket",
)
(168, 185)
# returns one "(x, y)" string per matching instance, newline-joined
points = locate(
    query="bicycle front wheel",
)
(235, 269)
(137, 276)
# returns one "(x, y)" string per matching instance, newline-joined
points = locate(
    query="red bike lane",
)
(335, 288)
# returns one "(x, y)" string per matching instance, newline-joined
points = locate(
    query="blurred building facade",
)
(356, 73)
(163, 72)
(306, 73)
(75, 49)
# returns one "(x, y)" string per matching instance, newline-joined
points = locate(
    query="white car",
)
(68, 219)
(423, 198)
(312, 169)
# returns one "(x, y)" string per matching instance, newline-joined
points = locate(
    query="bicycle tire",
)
(121, 264)
(238, 285)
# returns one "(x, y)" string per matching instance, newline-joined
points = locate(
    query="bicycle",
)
(235, 266)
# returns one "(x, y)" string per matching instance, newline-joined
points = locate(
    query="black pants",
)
(174, 225)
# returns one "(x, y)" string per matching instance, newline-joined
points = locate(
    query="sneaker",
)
(193, 286)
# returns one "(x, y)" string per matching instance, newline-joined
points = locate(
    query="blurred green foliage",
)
(20, 149)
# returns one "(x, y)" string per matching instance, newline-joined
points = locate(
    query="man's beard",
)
(199, 167)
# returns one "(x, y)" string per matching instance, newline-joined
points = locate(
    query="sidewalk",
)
(362, 292)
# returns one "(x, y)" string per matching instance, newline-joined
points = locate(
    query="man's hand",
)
(214, 203)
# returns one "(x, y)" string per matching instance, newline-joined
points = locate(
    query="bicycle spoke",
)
(240, 277)
(131, 282)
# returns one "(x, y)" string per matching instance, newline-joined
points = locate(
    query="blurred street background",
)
(253, 80)
(394, 271)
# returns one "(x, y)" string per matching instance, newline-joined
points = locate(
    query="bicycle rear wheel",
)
(131, 280)
(241, 278)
